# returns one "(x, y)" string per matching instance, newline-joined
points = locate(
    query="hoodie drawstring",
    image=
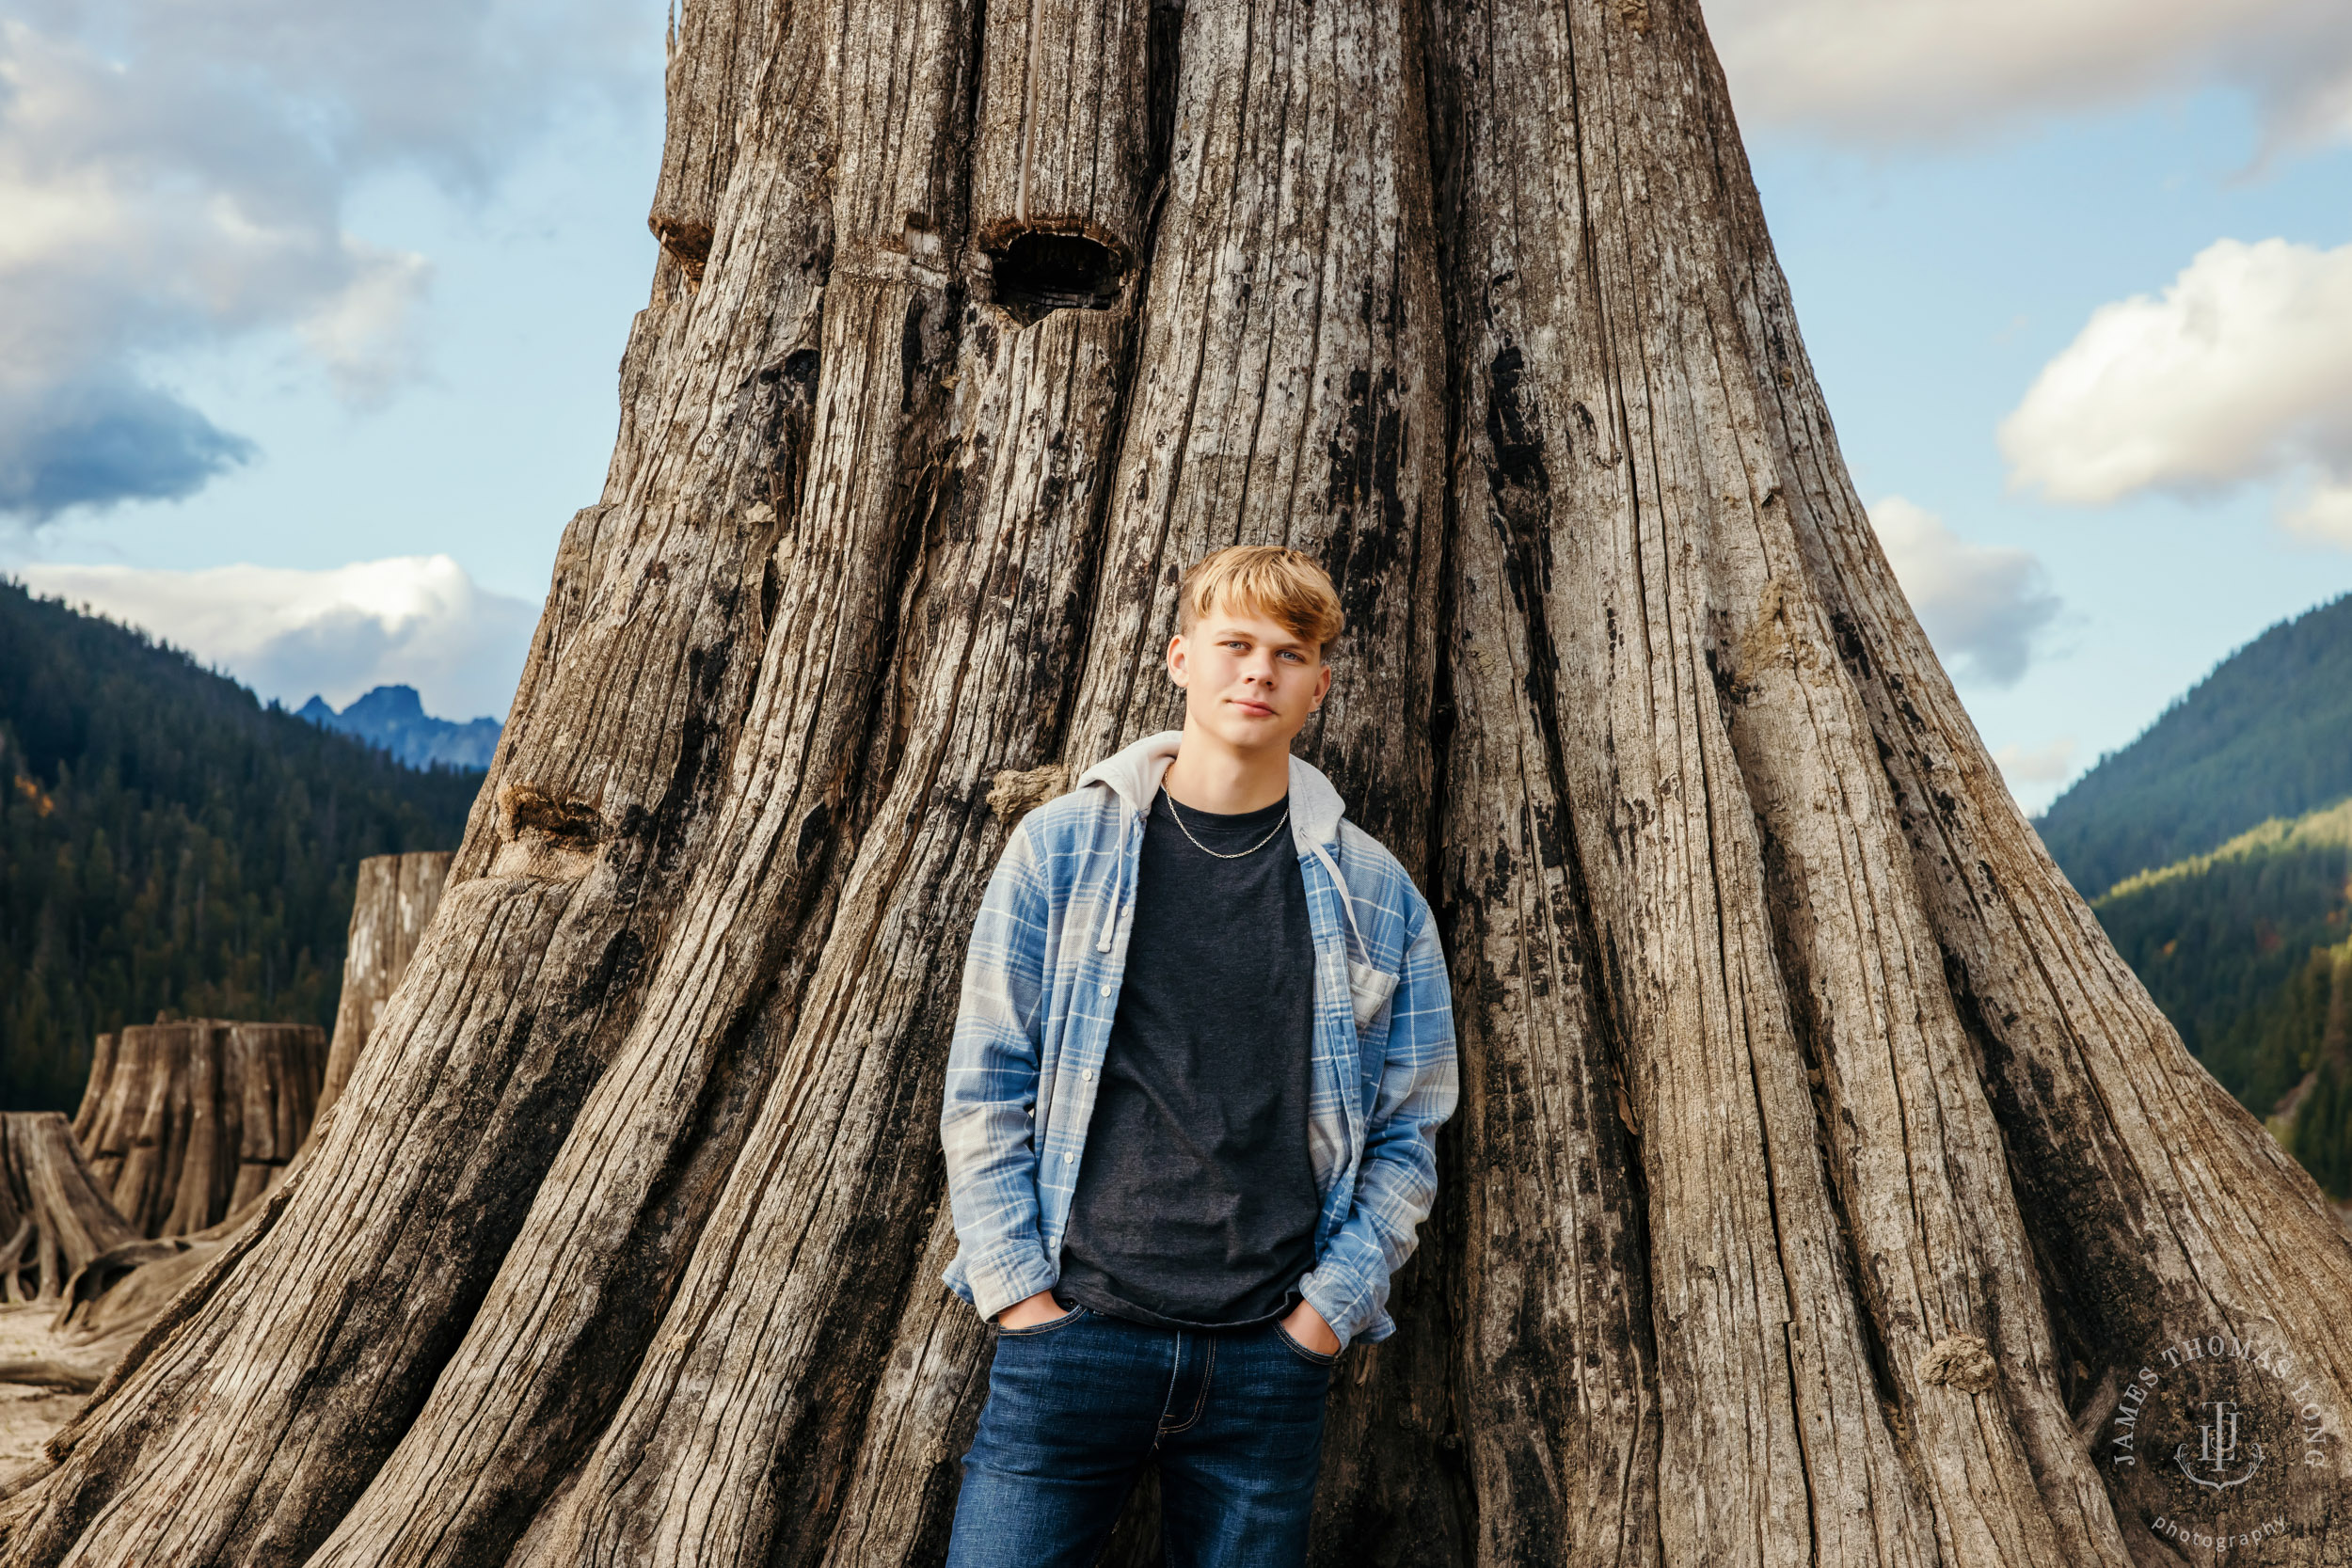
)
(1119, 884)
(1347, 903)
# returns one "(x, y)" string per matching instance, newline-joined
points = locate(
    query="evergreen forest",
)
(2268, 735)
(2249, 951)
(171, 845)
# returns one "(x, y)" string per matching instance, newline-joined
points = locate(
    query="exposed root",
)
(56, 1215)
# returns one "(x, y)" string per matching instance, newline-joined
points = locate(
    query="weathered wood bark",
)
(54, 1216)
(187, 1123)
(1823, 1181)
(392, 903)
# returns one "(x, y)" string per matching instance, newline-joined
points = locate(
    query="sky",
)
(310, 317)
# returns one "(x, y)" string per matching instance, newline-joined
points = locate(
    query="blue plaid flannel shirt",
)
(1042, 983)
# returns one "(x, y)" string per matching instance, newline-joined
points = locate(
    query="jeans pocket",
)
(1312, 1357)
(1048, 1326)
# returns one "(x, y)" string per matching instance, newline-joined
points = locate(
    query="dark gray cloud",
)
(176, 175)
(94, 442)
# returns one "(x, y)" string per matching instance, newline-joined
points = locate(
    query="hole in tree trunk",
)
(1036, 273)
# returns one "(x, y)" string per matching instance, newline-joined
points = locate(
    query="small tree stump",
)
(55, 1215)
(185, 1123)
(102, 1072)
(397, 895)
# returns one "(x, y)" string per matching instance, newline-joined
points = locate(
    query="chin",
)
(1224, 726)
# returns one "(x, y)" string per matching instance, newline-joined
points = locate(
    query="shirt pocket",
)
(1369, 989)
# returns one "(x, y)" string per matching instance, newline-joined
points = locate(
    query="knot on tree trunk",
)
(547, 837)
(1962, 1362)
(1017, 792)
(687, 241)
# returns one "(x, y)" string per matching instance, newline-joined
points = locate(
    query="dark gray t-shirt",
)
(1196, 1204)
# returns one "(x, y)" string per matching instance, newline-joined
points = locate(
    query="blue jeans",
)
(1077, 1406)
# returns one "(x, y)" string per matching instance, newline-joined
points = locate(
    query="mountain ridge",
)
(2267, 732)
(393, 719)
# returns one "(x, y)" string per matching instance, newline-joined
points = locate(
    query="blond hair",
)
(1286, 586)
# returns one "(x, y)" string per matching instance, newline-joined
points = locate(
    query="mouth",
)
(1255, 709)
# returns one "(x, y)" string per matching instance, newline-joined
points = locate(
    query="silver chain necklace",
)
(1219, 854)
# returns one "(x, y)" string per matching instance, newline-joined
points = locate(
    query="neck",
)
(1209, 775)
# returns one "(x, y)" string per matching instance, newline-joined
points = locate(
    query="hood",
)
(1134, 775)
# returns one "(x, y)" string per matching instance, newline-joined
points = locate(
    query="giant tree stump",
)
(1825, 1183)
(396, 898)
(186, 1123)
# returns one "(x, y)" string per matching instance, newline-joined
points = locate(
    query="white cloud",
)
(363, 335)
(1984, 606)
(413, 619)
(2241, 371)
(175, 175)
(2036, 777)
(2323, 515)
(2049, 765)
(1935, 67)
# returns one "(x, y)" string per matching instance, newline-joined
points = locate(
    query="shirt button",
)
(1106, 991)
(1086, 1075)
(1068, 1155)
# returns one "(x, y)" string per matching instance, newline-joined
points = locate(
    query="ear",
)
(1323, 685)
(1176, 658)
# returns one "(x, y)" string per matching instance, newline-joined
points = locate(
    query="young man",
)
(1204, 1047)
